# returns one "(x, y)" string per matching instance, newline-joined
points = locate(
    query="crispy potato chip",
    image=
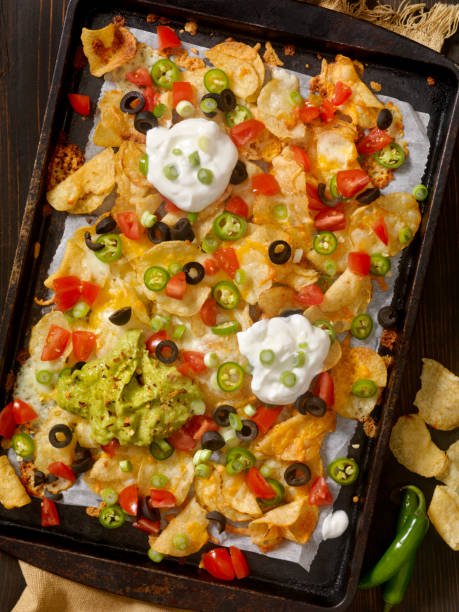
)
(270, 56)
(178, 468)
(275, 300)
(114, 126)
(237, 495)
(191, 522)
(12, 491)
(144, 57)
(107, 474)
(380, 176)
(108, 48)
(239, 61)
(333, 357)
(45, 452)
(334, 150)
(66, 159)
(438, 398)
(412, 446)
(86, 189)
(38, 338)
(450, 475)
(444, 514)
(278, 468)
(83, 434)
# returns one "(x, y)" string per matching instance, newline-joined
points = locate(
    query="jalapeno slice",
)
(226, 294)
(112, 517)
(325, 243)
(344, 470)
(405, 235)
(361, 326)
(164, 73)
(238, 115)
(280, 494)
(364, 387)
(215, 80)
(391, 156)
(334, 188)
(112, 248)
(230, 376)
(380, 264)
(155, 278)
(226, 329)
(238, 460)
(22, 444)
(229, 226)
(327, 327)
(161, 449)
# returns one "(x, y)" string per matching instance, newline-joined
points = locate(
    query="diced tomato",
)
(375, 140)
(301, 157)
(359, 263)
(325, 388)
(331, 220)
(23, 412)
(55, 343)
(130, 225)
(176, 286)
(83, 343)
(80, 103)
(211, 266)
(59, 469)
(227, 260)
(265, 184)
(350, 182)
(66, 283)
(196, 360)
(238, 206)
(111, 447)
(310, 295)
(129, 499)
(239, 562)
(218, 563)
(315, 202)
(266, 417)
(198, 426)
(167, 38)
(151, 98)
(155, 339)
(208, 312)
(49, 515)
(380, 229)
(308, 112)
(170, 207)
(342, 93)
(160, 498)
(182, 90)
(67, 291)
(258, 485)
(181, 440)
(327, 111)
(140, 77)
(89, 292)
(7, 422)
(185, 369)
(246, 131)
(319, 495)
(144, 524)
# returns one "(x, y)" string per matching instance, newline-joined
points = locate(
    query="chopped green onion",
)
(202, 456)
(178, 332)
(405, 235)
(68, 315)
(296, 98)
(125, 465)
(170, 172)
(209, 245)
(202, 470)
(211, 360)
(192, 217)
(174, 268)
(159, 322)
(159, 481)
(143, 164)
(240, 276)
(148, 219)
(330, 267)
(297, 256)
(180, 541)
(420, 192)
(267, 356)
(159, 110)
(235, 421)
(299, 359)
(229, 435)
(288, 379)
(205, 175)
(153, 555)
(80, 310)
(250, 411)
(303, 345)
(185, 109)
(280, 211)
(110, 497)
(198, 407)
(203, 143)
(194, 159)
(177, 151)
(265, 471)
(44, 377)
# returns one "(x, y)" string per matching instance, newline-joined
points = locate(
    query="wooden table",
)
(30, 31)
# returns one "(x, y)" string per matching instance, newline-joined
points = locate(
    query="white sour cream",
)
(172, 147)
(299, 348)
(334, 525)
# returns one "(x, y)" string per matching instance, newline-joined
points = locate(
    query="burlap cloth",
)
(47, 592)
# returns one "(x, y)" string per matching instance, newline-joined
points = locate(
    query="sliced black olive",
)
(215, 97)
(121, 316)
(279, 251)
(316, 406)
(297, 474)
(38, 478)
(166, 351)
(106, 225)
(182, 230)
(176, 118)
(248, 432)
(160, 232)
(59, 442)
(77, 366)
(148, 511)
(323, 196)
(300, 402)
(212, 440)
(384, 119)
(369, 195)
(93, 246)
(161, 211)
(255, 312)
(239, 174)
(51, 478)
(53, 496)
(128, 99)
(83, 463)
(144, 121)
(219, 519)
(221, 414)
(226, 101)
(290, 312)
(387, 317)
(194, 272)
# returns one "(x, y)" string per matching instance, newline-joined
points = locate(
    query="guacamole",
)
(128, 395)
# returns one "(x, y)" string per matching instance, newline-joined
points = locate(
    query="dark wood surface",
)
(29, 36)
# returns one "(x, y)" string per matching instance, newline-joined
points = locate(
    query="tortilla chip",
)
(438, 398)
(66, 159)
(114, 126)
(12, 491)
(86, 189)
(444, 514)
(412, 446)
(271, 57)
(242, 64)
(178, 468)
(108, 48)
(450, 475)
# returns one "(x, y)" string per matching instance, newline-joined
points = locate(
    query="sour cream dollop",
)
(190, 146)
(296, 348)
(334, 525)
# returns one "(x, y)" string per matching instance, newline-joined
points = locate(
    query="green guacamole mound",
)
(127, 395)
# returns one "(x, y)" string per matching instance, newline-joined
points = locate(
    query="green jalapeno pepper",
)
(238, 115)
(164, 73)
(325, 243)
(112, 248)
(215, 81)
(22, 444)
(226, 329)
(280, 494)
(143, 164)
(226, 294)
(344, 470)
(327, 327)
(155, 278)
(112, 517)
(230, 376)
(364, 387)
(161, 449)
(238, 460)
(391, 156)
(229, 226)
(361, 326)
(380, 264)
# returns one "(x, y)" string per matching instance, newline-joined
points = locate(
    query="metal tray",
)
(79, 549)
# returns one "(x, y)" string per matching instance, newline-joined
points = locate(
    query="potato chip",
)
(144, 57)
(270, 56)
(38, 338)
(83, 434)
(114, 126)
(450, 475)
(86, 189)
(277, 470)
(438, 398)
(444, 514)
(237, 495)
(379, 175)
(239, 61)
(45, 452)
(275, 300)
(412, 446)
(108, 48)
(178, 468)
(107, 474)
(12, 491)
(334, 150)
(66, 159)
(333, 357)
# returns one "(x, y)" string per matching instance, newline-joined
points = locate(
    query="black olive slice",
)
(300, 402)
(221, 414)
(77, 366)
(248, 432)
(384, 119)
(166, 351)
(226, 101)
(194, 272)
(297, 474)
(219, 519)
(279, 251)
(212, 440)
(323, 196)
(160, 232)
(121, 316)
(53, 496)
(148, 511)
(369, 195)
(239, 174)
(316, 406)
(127, 101)
(59, 442)
(144, 121)
(290, 312)
(38, 478)
(93, 246)
(182, 230)
(255, 312)
(106, 225)
(83, 463)
(51, 478)
(387, 317)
